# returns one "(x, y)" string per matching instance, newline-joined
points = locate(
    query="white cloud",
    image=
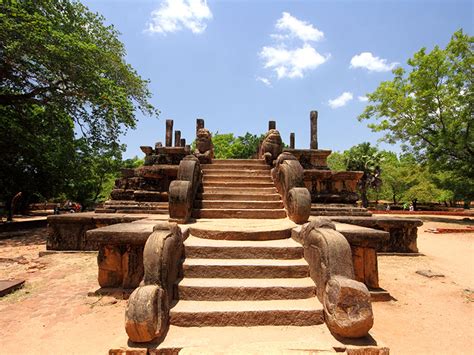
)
(363, 98)
(291, 63)
(341, 100)
(297, 28)
(368, 61)
(174, 15)
(290, 60)
(264, 81)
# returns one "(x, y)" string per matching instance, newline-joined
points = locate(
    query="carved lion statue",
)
(204, 148)
(271, 147)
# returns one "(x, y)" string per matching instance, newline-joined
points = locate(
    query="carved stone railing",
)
(182, 191)
(288, 178)
(346, 302)
(147, 313)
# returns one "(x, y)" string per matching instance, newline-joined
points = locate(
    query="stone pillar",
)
(169, 133)
(183, 142)
(314, 129)
(271, 125)
(177, 138)
(199, 124)
(292, 140)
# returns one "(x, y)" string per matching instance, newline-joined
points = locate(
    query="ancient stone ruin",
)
(196, 241)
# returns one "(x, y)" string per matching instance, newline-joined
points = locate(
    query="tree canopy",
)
(66, 94)
(227, 146)
(430, 107)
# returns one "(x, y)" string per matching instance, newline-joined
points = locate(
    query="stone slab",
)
(8, 286)
(122, 233)
(403, 231)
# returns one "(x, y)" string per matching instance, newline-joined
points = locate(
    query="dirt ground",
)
(52, 314)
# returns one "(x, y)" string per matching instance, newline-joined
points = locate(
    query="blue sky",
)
(238, 64)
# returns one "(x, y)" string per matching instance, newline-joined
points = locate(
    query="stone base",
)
(403, 231)
(68, 231)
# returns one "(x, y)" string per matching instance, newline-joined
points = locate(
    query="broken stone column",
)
(169, 133)
(292, 140)
(183, 142)
(271, 125)
(177, 138)
(199, 124)
(314, 129)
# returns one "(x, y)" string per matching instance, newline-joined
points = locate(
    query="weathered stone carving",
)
(147, 313)
(288, 177)
(204, 148)
(271, 146)
(347, 307)
(183, 190)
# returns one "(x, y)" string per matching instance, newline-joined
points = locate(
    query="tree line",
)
(400, 179)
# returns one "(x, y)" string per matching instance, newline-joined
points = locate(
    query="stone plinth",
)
(402, 231)
(311, 158)
(166, 155)
(120, 258)
(68, 231)
(332, 186)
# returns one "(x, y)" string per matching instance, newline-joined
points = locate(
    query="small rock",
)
(429, 273)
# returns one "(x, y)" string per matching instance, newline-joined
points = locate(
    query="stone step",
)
(246, 184)
(238, 162)
(243, 249)
(218, 204)
(240, 190)
(299, 312)
(238, 196)
(236, 178)
(239, 213)
(245, 289)
(245, 268)
(234, 167)
(224, 172)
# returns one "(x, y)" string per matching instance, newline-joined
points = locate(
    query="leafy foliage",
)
(59, 54)
(430, 108)
(62, 71)
(227, 146)
(364, 157)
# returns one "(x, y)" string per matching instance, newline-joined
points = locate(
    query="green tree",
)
(337, 161)
(227, 146)
(398, 175)
(62, 70)
(366, 158)
(430, 107)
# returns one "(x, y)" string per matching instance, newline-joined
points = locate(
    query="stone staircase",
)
(238, 188)
(234, 277)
